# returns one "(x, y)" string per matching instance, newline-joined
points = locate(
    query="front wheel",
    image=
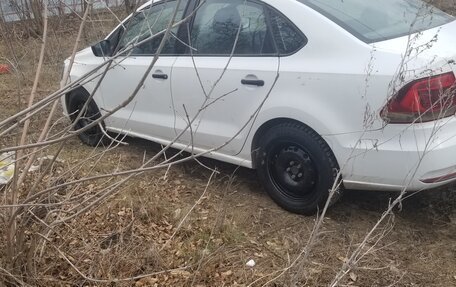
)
(297, 168)
(76, 102)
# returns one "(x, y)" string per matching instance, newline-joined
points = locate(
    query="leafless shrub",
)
(43, 208)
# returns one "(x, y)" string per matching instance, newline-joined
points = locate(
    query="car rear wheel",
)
(297, 168)
(76, 101)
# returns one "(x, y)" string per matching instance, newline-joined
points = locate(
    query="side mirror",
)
(102, 49)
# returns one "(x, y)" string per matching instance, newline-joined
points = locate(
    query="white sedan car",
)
(298, 89)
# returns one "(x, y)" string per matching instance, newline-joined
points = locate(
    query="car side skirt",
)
(186, 147)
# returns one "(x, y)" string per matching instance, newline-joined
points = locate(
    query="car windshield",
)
(374, 21)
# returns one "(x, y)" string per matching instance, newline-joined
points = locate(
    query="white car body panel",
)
(338, 92)
(148, 111)
(213, 128)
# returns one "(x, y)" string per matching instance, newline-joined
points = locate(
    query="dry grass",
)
(235, 222)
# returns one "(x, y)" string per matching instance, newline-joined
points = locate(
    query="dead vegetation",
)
(189, 226)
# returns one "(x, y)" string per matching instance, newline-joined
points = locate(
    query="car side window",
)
(219, 25)
(147, 23)
(288, 38)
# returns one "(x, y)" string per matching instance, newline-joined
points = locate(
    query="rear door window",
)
(221, 25)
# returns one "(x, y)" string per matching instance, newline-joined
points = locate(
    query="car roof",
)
(148, 3)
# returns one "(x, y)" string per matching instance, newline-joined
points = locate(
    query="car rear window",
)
(374, 21)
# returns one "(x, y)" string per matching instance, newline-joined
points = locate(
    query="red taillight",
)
(423, 100)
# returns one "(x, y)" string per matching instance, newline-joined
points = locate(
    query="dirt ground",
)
(234, 221)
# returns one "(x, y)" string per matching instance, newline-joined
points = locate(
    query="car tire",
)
(297, 168)
(76, 101)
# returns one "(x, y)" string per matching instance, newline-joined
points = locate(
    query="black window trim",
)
(296, 28)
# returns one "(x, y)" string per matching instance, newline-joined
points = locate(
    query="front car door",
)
(149, 114)
(225, 75)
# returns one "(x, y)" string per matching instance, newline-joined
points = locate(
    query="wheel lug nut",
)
(293, 176)
(288, 169)
(292, 162)
(300, 175)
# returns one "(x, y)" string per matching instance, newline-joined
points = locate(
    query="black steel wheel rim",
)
(292, 170)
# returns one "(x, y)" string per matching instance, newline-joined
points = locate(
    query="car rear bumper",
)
(397, 157)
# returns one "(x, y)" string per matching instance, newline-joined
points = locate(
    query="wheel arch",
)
(79, 89)
(268, 125)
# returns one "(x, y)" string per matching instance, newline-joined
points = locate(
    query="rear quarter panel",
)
(333, 84)
(338, 84)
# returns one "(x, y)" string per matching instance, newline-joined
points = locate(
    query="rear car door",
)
(149, 114)
(227, 72)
